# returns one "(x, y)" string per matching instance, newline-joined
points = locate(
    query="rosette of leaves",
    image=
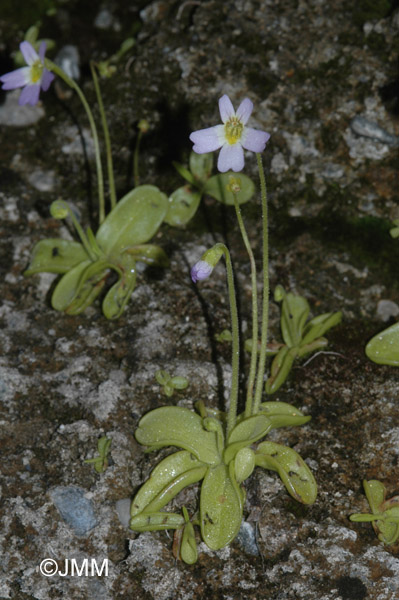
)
(221, 463)
(384, 514)
(184, 201)
(120, 242)
(170, 384)
(300, 337)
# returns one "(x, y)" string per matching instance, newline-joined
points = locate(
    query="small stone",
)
(386, 309)
(69, 61)
(247, 540)
(76, 510)
(370, 129)
(14, 115)
(123, 510)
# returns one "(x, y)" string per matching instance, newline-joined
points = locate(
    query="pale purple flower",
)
(231, 137)
(201, 270)
(32, 77)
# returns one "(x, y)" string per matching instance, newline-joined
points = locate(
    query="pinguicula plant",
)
(300, 337)
(221, 449)
(100, 462)
(170, 384)
(384, 514)
(123, 234)
(383, 348)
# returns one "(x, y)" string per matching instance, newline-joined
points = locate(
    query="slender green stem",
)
(265, 297)
(136, 176)
(254, 352)
(235, 361)
(64, 206)
(107, 140)
(100, 182)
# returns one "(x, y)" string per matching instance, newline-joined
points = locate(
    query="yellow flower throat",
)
(233, 130)
(36, 71)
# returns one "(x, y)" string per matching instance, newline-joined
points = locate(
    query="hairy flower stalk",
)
(202, 270)
(232, 137)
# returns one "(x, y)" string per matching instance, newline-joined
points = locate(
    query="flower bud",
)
(201, 270)
(143, 125)
(59, 209)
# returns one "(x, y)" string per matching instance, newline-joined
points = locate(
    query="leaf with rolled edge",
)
(294, 312)
(201, 166)
(150, 254)
(294, 472)
(220, 508)
(375, 494)
(181, 427)
(134, 220)
(184, 172)
(318, 326)
(119, 294)
(79, 287)
(188, 548)
(282, 414)
(245, 433)
(218, 187)
(55, 256)
(88, 292)
(167, 479)
(383, 348)
(317, 344)
(156, 521)
(281, 366)
(183, 205)
(244, 464)
(67, 287)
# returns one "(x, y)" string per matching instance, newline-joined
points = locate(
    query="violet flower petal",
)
(226, 108)
(231, 157)
(47, 78)
(42, 51)
(30, 94)
(200, 271)
(254, 139)
(207, 140)
(28, 52)
(244, 110)
(15, 79)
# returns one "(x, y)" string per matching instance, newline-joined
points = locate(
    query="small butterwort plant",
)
(384, 514)
(300, 337)
(221, 449)
(170, 384)
(123, 234)
(383, 348)
(100, 462)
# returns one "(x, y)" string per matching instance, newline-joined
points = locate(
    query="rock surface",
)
(322, 79)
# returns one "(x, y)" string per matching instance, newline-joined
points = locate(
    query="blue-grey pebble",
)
(75, 509)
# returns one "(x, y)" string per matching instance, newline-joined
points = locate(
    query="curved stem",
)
(100, 183)
(83, 238)
(265, 297)
(107, 140)
(235, 361)
(254, 351)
